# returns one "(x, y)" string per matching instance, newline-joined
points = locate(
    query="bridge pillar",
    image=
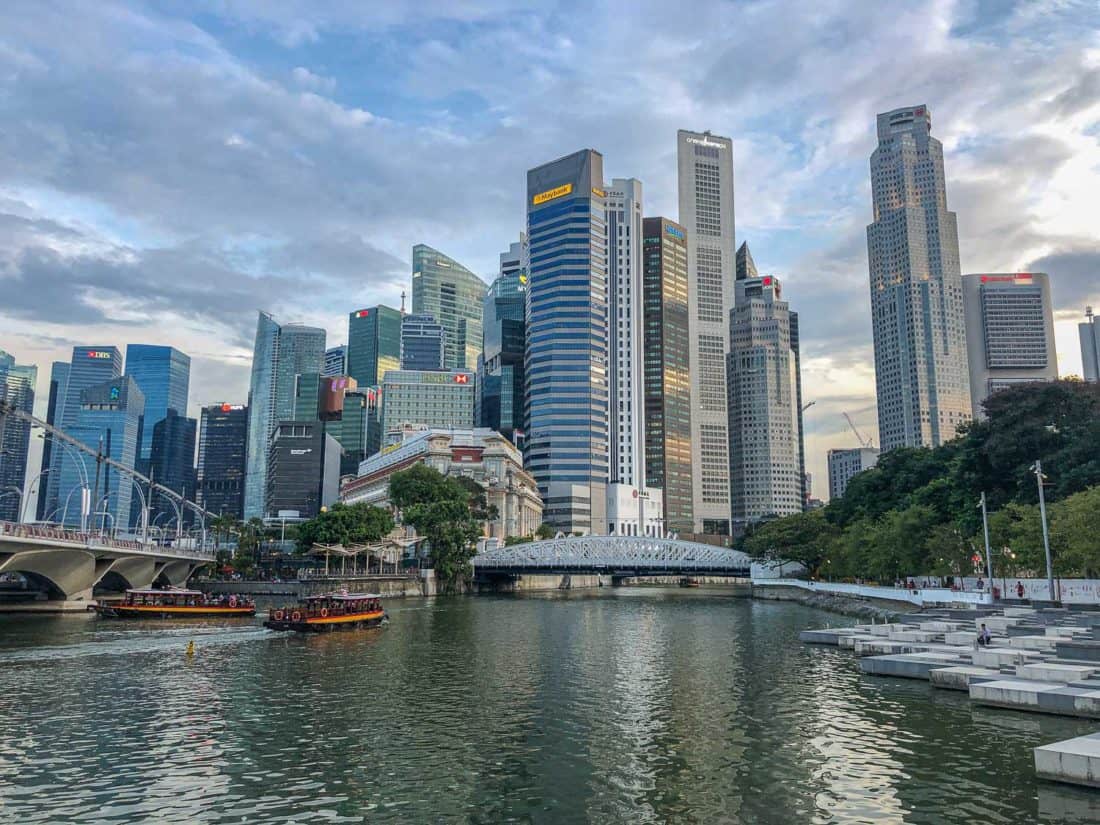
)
(132, 572)
(175, 573)
(65, 575)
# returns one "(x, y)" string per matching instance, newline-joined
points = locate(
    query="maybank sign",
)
(706, 141)
(550, 194)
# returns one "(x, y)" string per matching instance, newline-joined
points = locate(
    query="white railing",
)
(636, 553)
(94, 541)
(919, 596)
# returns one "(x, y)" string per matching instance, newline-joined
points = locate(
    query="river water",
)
(613, 706)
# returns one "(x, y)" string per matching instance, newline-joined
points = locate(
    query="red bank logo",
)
(97, 354)
(462, 379)
(363, 313)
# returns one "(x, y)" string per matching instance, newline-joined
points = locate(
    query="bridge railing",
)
(94, 540)
(609, 553)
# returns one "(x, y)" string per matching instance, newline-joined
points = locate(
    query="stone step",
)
(1080, 649)
(1038, 697)
(1076, 761)
(1047, 672)
(907, 665)
(960, 677)
(995, 657)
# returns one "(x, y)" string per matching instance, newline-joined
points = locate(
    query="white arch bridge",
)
(618, 556)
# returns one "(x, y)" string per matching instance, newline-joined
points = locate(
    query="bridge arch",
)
(636, 555)
(63, 574)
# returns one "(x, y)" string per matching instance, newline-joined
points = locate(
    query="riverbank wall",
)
(862, 608)
(539, 583)
(387, 586)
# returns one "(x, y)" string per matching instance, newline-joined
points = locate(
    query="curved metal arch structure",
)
(619, 555)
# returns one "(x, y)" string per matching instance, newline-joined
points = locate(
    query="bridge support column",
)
(63, 575)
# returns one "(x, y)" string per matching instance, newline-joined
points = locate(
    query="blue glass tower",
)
(17, 384)
(567, 341)
(500, 365)
(59, 379)
(163, 374)
(108, 414)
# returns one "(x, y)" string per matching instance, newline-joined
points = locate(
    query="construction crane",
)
(807, 405)
(863, 442)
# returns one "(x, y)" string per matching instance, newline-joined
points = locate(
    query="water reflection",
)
(636, 705)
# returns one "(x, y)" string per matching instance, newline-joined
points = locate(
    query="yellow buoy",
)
(191, 648)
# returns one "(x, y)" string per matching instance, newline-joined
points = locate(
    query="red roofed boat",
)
(174, 603)
(332, 611)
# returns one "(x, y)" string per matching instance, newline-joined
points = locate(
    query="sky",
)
(169, 168)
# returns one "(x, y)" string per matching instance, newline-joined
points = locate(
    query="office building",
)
(374, 344)
(667, 348)
(89, 366)
(623, 200)
(921, 370)
(303, 470)
(423, 343)
(452, 295)
(1089, 333)
(705, 170)
(163, 374)
(843, 464)
(745, 266)
(336, 361)
(767, 476)
(373, 415)
(1009, 332)
(172, 465)
(419, 399)
(566, 392)
(281, 353)
(223, 443)
(108, 416)
(481, 454)
(17, 386)
(500, 373)
(59, 379)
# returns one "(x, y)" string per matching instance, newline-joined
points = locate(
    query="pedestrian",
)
(984, 637)
(1019, 590)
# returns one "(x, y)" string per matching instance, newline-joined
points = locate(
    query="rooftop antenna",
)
(402, 301)
(1088, 312)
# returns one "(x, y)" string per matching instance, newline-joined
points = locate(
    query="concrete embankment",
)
(388, 586)
(858, 606)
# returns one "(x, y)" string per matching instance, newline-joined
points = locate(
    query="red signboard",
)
(462, 379)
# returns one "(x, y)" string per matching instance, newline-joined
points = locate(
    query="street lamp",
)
(30, 490)
(1037, 468)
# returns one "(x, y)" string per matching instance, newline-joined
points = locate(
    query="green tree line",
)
(916, 512)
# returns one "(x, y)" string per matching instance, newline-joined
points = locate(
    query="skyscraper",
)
(336, 361)
(108, 416)
(500, 366)
(1090, 346)
(427, 398)
(1009, 332)
(59, 379)
(163, 374)
(88, 367)
(281, 353)
(921, 372)
(624, 324)
(767, 477)
(705, 167)
(667, 348)
(452, 294)
(223, 440)
(844, 464)
(17, 384)
(567, 341)
(423, 343)
(374, 344)
(172, 463)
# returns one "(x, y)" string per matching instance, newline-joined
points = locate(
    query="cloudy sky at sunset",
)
(166, 169)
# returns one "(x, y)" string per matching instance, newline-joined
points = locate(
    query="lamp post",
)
(985, 534)
(30, 489)
(1037, 468)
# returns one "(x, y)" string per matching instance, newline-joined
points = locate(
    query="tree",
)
(803, 538)
(439, 508)
(545, 531)
(345, 524)
(1075, 534)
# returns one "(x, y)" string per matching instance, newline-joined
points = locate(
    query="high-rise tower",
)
(374, 344)
(705, 167)
(921, 374)
(567, 341)
(452, 294)
(500, 366)
(1089, 332)
(163, 374)
(17, 385)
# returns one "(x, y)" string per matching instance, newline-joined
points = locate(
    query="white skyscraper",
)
(765, 420)
(921, 372)
(624, 323)
(1009, 332)
(1090, 346)
(705, 170)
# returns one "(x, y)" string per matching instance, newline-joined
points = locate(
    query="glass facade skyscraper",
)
(667, 347)
(280, 354)
(223, 438)
(452, 294)
(59, 379)
(567, 342)
(374, 344)
(336, 361)
(17, 385)
(108, 414)
(921, 371)
(163, 374)
(500, 366)
(89, 366)
(172, 463)
(423, 343)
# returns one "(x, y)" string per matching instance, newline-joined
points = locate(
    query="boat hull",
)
(329, 624)
(112, 611)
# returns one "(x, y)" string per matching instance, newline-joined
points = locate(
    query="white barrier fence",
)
(1068, 591)
(920, 596)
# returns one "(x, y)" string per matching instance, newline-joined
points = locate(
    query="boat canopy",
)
(171, 591)
(343, 597)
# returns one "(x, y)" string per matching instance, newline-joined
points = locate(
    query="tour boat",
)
(173, 603)
(333, 611)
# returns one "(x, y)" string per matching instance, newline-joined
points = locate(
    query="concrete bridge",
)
(65, 565)
(615, 556)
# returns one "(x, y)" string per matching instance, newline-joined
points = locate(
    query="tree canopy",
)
(345, 524)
